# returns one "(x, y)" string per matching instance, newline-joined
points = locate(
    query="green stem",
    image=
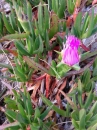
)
(4, 51)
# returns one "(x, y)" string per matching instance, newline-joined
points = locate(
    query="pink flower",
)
(70, 54)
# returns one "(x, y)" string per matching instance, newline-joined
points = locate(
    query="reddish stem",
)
(84, 47)
(47, 84)
(41, 77)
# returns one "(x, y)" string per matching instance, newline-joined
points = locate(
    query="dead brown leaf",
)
(49, 114)
(69, 21)
(48, 80)
(61, 34)
(36, 87)
(73, 87)
(58, 100)
(68, 99)
(40, 77)
(14, 52)
(53, 85)
(58, 94)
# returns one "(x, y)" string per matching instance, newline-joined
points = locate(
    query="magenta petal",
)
(70, 54)
(73, 41)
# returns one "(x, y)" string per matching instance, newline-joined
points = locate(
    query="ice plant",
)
(70, 55)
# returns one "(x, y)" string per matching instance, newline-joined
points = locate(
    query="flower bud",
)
(69, 53)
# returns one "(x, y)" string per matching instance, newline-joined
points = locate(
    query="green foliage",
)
(87, 27)
(95, 70)
(85, 79)
(32, 24)
(7, 25)
(59, 7)
(21, 70)
(55, 108)
(84, 117)
(20, 109)
(1, 24)
(70, 6)
(59, 70)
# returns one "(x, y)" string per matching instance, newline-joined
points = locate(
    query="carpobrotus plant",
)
(45, 39)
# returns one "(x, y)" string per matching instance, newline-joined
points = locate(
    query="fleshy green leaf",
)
(82, 116)
(55, 108)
